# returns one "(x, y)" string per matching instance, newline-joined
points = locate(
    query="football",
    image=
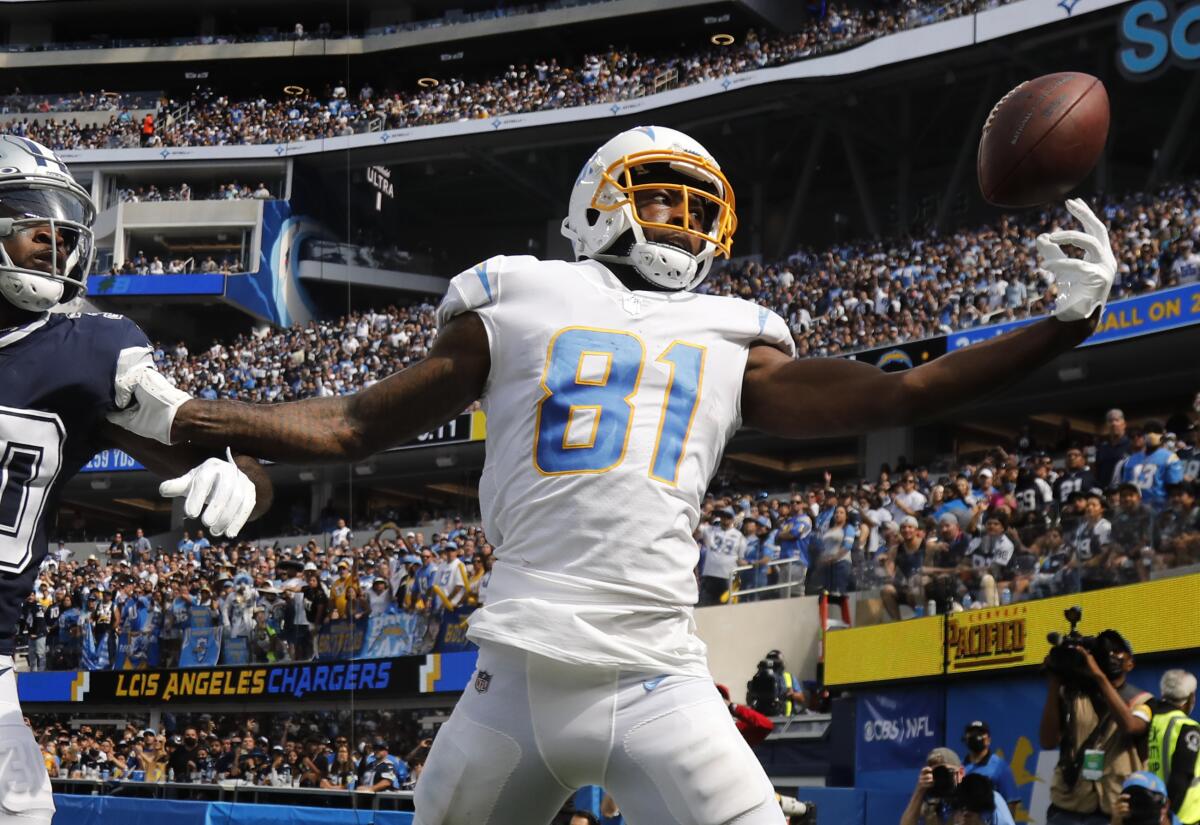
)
(1042, 138)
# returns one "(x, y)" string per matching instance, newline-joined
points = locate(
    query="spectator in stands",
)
(980, 759)
(1091, 542)
(379, 598)
(340, 536)
(117, 550)
(759, 554)
(265, 644)
(830, 570)
(316, 601)
(1132, 537)
(1113, 449)
(1174, 527)
(905, 563)
(33, 620)
(724, 549)
(143, 551)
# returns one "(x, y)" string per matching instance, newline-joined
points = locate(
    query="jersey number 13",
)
(586, 411)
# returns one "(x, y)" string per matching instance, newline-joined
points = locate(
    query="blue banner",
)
(340, 639)
(136, 650)
(1127, 318)
(201, 618)
(898, 728)
(235, 650)
(94, 653)
(206, 283)
(201, 647)
(395, 634)
(112, 461)
(452, 635)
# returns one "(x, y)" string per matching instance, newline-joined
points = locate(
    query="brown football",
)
(1042, 139)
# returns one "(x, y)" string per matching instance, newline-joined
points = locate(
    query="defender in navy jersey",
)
(58, 380)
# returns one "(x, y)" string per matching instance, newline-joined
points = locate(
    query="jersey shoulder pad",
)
(108, 331)
(757, 324)
(483, 285)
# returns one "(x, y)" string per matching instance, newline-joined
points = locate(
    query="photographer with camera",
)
(1175, 744)
(1143, 801)
(1096, 719)
(944, 795)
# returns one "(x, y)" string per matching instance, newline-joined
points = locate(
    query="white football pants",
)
(25, 795)
(529, 731)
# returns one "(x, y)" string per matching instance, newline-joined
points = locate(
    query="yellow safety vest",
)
(1165, 729)
(787, 703)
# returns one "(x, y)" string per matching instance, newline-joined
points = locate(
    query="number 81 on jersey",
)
(586, 411)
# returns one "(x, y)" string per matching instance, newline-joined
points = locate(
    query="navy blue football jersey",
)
(57, 381)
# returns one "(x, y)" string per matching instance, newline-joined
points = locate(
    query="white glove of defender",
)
(153, 401)
(217, 491)
(1083, 285)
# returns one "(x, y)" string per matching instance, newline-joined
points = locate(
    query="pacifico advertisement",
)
(1014, 636)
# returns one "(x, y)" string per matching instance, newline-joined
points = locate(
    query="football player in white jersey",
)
(611, 389)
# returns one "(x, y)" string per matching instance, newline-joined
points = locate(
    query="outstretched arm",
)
(351, 427)
(822, 397)
(834, 396)
(178, 459)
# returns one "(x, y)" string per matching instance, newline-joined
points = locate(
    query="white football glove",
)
(1083, 285)
(153, 401)
(217, 491)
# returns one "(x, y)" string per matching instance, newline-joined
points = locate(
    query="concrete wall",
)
(738, 636)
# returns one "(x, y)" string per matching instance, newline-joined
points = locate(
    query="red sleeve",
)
(753, 726)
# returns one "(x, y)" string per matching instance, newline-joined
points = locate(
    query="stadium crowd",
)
(278, 598)
(210, 118)
(224, 192)
(143, 264)
(873, 293)
(320, 359)
(1005, 527)
(839, 300)
(378, 751)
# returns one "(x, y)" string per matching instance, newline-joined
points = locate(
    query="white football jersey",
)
(607, 414)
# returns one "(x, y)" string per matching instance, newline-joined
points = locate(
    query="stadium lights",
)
(308, 475)
(292, 90)
(722, 39)
(427, 82)
(364, 469)
(101, 483)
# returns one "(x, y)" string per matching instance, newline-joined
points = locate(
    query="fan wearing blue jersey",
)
(58, 378)
(611, 390)
(1153, 468)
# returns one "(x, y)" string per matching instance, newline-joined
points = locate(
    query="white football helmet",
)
(41, 202)
(603, 221)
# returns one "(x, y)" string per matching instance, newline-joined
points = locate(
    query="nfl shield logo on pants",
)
(482, 680)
